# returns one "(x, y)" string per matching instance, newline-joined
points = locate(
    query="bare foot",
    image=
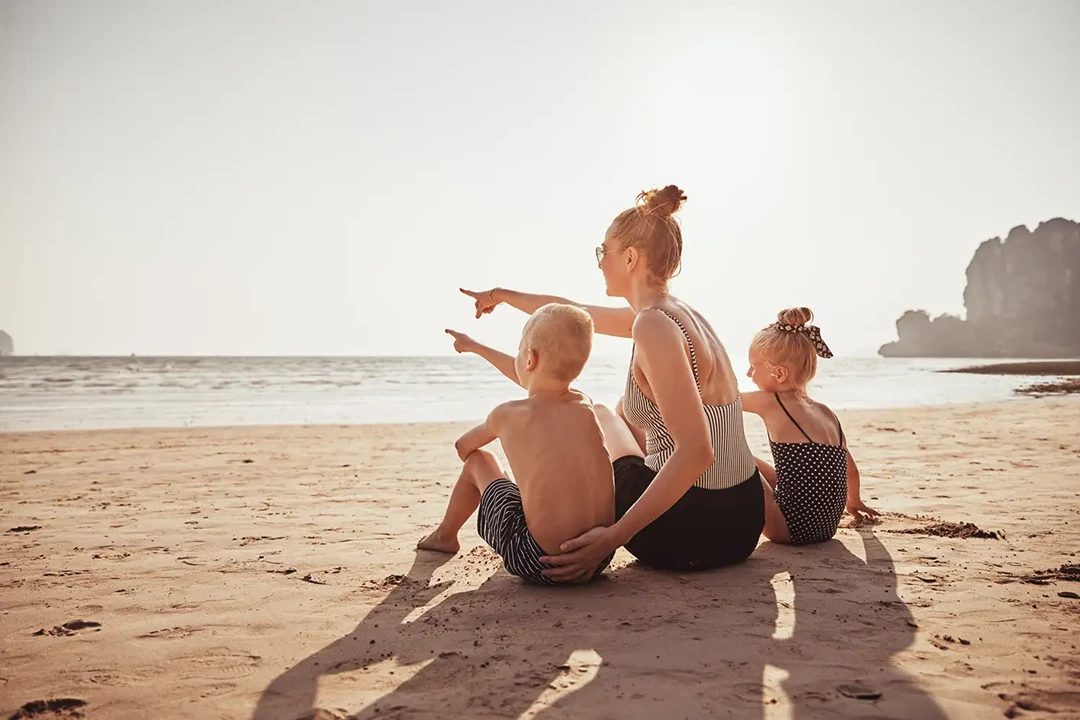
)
(435, 541)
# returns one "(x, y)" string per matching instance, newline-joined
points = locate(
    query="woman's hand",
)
(857, 509)
(581, 556)
(462, 342)
(485, 300)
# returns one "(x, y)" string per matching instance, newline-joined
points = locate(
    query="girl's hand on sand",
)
(860, 511)
(485, 300)
(462, 342)
(580, 556)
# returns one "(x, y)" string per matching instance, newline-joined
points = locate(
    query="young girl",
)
(815, 479)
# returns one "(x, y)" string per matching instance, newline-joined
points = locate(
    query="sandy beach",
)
(269, 573)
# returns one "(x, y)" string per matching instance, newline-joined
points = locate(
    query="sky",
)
(284, 178)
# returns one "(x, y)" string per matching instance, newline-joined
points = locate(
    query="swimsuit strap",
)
(777, 396)
(689, 343)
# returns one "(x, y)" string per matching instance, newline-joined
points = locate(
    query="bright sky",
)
(256, 177)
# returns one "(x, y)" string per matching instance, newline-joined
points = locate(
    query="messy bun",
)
(792, 342)
(650, 227)
(663, 202)
(795, 316)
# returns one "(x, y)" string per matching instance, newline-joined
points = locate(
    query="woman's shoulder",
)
(656, 325)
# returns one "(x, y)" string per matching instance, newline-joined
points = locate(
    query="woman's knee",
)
(618, 436)
(603, 411)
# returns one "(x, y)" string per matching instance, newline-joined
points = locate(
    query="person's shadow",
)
(624, 645)
(486, 651)
(847, 624)
(634, 644)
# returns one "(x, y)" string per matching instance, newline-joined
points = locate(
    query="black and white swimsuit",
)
(718, 520)
(811, 485)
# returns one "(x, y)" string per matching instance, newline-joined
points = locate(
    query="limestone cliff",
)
(6, 345)
(1022, 300)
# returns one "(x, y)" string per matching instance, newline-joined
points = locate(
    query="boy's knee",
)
(483, 463)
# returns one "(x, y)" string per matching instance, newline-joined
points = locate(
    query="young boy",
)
(565, 483)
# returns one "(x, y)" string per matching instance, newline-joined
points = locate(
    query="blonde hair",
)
(562, 337)
(793, 349)
(650, 227)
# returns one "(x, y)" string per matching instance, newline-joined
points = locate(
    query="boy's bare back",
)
(560, 463)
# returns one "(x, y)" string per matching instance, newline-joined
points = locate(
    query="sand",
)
(269, 573)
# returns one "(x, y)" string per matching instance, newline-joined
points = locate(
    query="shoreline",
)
(1032, 368)
(1017, 397)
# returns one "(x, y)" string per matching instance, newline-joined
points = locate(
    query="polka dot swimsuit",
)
(811, 485)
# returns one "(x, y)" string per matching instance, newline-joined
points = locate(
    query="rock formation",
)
(1022, 300)
(6, 345)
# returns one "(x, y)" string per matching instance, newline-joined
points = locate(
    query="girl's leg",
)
(618, 437)
(775, 525)
(481, 469)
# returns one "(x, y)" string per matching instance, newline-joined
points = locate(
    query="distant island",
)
(1022, 300)
(7, 347)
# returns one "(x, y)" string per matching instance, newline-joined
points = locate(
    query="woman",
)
(692, 499)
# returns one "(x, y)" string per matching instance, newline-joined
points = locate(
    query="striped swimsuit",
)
(719, 519)
(733, 462)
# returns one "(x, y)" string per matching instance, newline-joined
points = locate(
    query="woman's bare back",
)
(716, 376)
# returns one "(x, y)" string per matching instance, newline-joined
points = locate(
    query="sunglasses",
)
(600, 253)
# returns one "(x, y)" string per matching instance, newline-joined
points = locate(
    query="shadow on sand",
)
(637, 644)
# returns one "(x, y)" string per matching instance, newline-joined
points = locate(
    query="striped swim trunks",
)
(501, 523)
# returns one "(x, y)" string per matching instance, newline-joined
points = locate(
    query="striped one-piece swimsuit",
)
(733, 462)
(719, 519)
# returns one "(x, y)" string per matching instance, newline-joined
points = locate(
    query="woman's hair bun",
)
(795, 316)
(665, 201)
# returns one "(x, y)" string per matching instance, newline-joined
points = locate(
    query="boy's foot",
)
(435, 541)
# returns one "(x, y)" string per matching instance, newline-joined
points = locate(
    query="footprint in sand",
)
(1033, 700)
(215, 690)
(55, 709)
(757, 693)
(172, 633)
(323, 714)
(217, 665)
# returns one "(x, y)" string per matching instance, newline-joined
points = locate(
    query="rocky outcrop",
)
(6, 345)
(1022, 300)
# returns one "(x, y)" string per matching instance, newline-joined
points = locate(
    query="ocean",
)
(67, 393)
